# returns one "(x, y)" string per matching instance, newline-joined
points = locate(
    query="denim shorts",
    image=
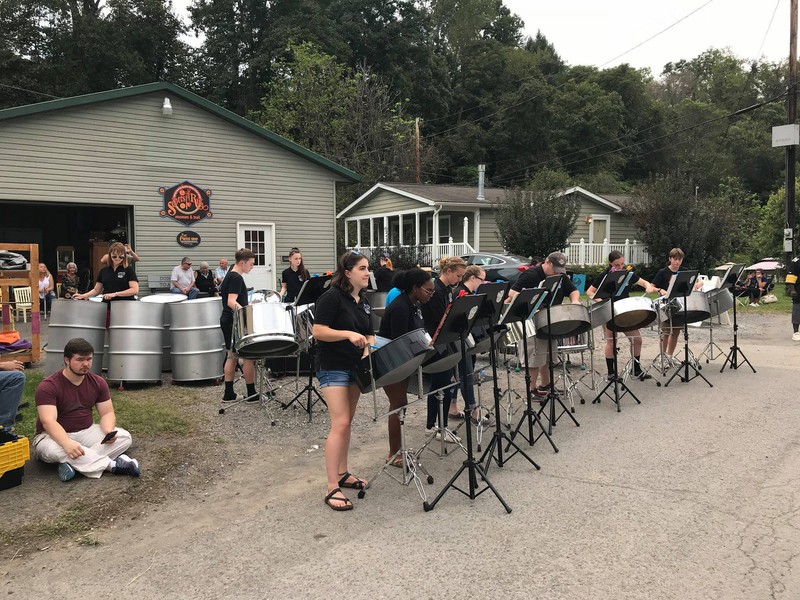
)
(336, 378)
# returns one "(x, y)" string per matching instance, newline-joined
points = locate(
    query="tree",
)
(669, 214)
(538, 219)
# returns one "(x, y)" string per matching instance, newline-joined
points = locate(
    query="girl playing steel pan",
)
(343, 330)
(402, 316)
(294, 276)
(616, 262)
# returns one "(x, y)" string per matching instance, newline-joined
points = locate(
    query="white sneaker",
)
(754, 304)
(796, 336)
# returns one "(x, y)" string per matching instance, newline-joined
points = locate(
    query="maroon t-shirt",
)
(74, 403)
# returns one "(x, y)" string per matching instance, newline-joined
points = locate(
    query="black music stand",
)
(731, 277)
(553, 285)
(681, 286)
(489, 316)
(455, 327)
(310, 292)
(520, 310)
(611, 288)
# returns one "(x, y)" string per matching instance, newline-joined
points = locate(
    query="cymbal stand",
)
(530, 414)
(470, 464)
(412, 467)
(615, 380)
(733, 355)
(688, 362)
(494, 451)
(552, 395)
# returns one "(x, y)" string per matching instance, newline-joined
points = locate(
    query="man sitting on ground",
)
(12, 381)
(65, 432)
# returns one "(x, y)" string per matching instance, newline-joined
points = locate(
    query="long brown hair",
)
(119, 247)
(346, 262)
(301, 268)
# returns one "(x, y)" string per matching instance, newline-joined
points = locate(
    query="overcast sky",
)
(594, 32)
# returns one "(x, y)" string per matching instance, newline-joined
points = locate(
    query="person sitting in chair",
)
(756, 286)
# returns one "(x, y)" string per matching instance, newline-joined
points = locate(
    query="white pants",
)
(96, 456)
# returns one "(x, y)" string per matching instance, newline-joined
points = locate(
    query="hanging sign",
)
(188, 239)
(186, 203)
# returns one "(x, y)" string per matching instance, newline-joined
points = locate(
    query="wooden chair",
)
(22, 302)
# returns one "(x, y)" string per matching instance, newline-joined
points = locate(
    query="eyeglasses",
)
(430, 291)
(117, 256)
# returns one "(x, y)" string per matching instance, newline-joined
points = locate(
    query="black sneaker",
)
(236, 398)
(254, 399)
(643, 376)
(127, 466)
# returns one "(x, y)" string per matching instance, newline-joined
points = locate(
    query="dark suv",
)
(503, 267)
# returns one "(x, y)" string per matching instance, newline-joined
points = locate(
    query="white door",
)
(260, 238)
(600, 229)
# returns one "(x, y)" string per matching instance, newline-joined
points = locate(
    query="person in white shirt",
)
(182, 279)
(220, 271)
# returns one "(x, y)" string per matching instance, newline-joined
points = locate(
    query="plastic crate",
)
(14, 451)
(11, 478)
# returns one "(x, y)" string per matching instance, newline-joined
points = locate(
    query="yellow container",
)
(14, 451)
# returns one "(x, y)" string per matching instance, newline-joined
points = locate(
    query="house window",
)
(444, 229)
(254, 239)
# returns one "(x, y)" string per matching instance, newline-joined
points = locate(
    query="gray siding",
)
(488, 233)
(120, 152)
(385, 202)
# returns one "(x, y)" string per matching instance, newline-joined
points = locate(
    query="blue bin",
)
(579, 279)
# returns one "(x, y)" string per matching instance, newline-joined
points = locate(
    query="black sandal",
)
(358, 484)
(347, 504)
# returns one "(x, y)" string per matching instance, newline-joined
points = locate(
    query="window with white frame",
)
(444, 229)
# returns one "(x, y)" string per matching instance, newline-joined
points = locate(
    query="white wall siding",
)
(121, 151)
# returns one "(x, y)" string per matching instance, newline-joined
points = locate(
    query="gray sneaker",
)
(126, 466)
(65, 472)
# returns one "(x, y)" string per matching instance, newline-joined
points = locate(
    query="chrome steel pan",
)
(566, 320)
(632, 313)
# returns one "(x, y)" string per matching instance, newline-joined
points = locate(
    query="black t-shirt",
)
(662, 278)
(401, 316)
(794, 269)
(338, 310)
(433, 310)
(599, 279)
(232, 284)
(383, 278)
(534, 276)
(116, 281)
(294, 282)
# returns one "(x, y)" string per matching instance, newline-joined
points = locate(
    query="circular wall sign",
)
(188, 239)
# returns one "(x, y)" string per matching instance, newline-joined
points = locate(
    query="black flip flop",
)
(358, 484)
(347, 506)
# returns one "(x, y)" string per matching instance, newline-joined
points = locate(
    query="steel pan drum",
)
(719, 301)
(566, 320)
(166, 348)
(395, 361)
(599, 313)
(135, 341)
(696, 309)
(71, 319)
(198, 348)
(302, 325)
(264, 296)
(264, 329)
(377, 302)
(442, 358)
(632, 313)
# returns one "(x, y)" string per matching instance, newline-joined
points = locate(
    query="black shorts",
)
(226, 323)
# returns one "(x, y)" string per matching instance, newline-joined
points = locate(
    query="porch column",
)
(371, 232)
(346, 238)
(435, 247)
(476, 231)
(385, 231)
(358, 233)
(465, 237)
(400, 230)
(416, 227)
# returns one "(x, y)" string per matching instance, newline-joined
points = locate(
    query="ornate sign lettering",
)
(186, 203)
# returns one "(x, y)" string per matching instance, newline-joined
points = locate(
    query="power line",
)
(13, 87)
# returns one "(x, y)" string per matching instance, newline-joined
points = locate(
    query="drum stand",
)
(499, 437)
(733, 355)
(688, 362)
(443, 431)
(708, 351)
(470, 464)
(615, 380)
(411, 464)
(552, 395)
(592, 373)
(509, 392)
(309, 390)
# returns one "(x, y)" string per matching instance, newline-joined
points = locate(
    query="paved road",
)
(692, 494)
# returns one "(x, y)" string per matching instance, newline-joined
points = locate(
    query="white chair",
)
(22, 302)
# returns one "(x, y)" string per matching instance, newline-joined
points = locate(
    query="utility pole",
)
(791, 110)
(416, 144)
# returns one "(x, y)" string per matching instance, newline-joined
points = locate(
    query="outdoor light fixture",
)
(588, 220)
(166, 108)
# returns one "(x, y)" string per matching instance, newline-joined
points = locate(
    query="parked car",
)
(503, 267)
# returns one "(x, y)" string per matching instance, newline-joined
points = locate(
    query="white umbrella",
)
(766, 264)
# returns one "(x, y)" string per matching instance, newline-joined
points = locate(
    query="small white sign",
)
(786, 135)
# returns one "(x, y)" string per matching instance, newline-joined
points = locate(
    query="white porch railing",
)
(431, 252)
(585, 254)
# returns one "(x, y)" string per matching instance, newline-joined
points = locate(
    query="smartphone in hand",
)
(109, 436)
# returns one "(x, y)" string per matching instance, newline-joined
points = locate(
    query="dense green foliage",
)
(348, 79)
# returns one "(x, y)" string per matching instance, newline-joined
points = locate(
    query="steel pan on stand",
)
(566, 320)
(377, 303)
(631, 314)
(198, 348)
(395, 361)
(696, 309)
(720, 301)
(75, 319)
(166, 347)
(264, 329)
(135, 341)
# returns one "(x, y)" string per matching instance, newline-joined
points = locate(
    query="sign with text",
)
(186, 203)
(188, 239)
